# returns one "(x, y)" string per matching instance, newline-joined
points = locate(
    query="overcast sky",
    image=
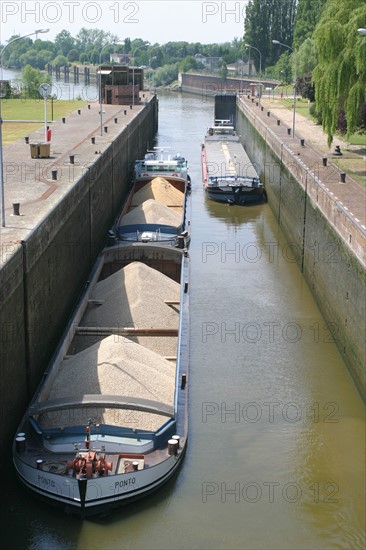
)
(158, 21)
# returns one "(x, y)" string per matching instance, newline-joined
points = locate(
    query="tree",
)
(266, 20)
(32, 79)
(340, 75)
(73, 55)
(305, 57)
(64, 42)
(307, 16)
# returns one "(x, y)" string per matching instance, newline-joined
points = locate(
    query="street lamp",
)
(133, 70)
(260, 69)
(294, 111)
(38, 31)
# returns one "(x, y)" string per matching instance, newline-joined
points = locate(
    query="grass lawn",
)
(31, 109)
(302, 108)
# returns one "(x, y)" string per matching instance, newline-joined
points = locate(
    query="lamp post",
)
(38, 31)
(294, 111)
(260, 69)
(133, 70)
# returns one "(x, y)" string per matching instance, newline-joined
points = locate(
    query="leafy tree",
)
(305, 87)
(165, 75)
(84, 58)
(64, 42)
(305, 57)
(73, 55)
(340, 75)
(60, 60)
(307, 16)
(32, 79)
(266, 20)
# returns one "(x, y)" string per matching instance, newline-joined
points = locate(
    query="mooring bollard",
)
(268, 113)
(16, 208)
(325, 161)
(72, 159)
(106, 129)
(125, 112)
(116, 120)
(26, 139)
(54, 174)
(92, 139)
(262, 108)
(63, 120)
(130, 106)
(302, 141)
(89, 106)
(278, 122)
(289, 131)
(79, 111)
(343, 177)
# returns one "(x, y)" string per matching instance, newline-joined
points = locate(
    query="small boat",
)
(157, 202)
(228, 174)
(109, 422)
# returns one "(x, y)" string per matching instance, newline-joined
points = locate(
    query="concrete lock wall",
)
(45, 274)
(329, 244)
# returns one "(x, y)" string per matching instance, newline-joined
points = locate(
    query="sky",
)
(158, 21)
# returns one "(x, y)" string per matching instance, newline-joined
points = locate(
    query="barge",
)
(109, 421)
(228, 174)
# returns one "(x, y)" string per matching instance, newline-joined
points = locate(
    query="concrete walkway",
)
(350, 194)
(33, 183)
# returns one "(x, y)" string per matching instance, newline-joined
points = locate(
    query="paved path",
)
(350, 195)
(30, 181)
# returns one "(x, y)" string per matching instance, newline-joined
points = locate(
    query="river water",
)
(276, 449)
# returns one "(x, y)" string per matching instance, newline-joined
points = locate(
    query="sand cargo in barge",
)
(109, 422)
(227, 172)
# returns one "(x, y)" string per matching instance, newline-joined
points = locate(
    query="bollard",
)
(92, 139)
(26, 139)
(278, 122)
(343, 177)
(177, 438)
(302, 141)
(72, 159)
(172, 447)
(20, 444)
(135, 465)
(125, 112)
(54, 174)
(39, 463)
(106, 129)
(268, 113)
(337, 151)
(116, 120)
(89, 106)
(79, 111)
(16, 208)
(325, 161)
(63, 120)
(289, 131)
(130, 106)
(256, 103)
(183, 381)
(262, 108)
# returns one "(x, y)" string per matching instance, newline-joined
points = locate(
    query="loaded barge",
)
(109, 422)
(228, 174)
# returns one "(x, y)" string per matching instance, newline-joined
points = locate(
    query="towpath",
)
(350, 195)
